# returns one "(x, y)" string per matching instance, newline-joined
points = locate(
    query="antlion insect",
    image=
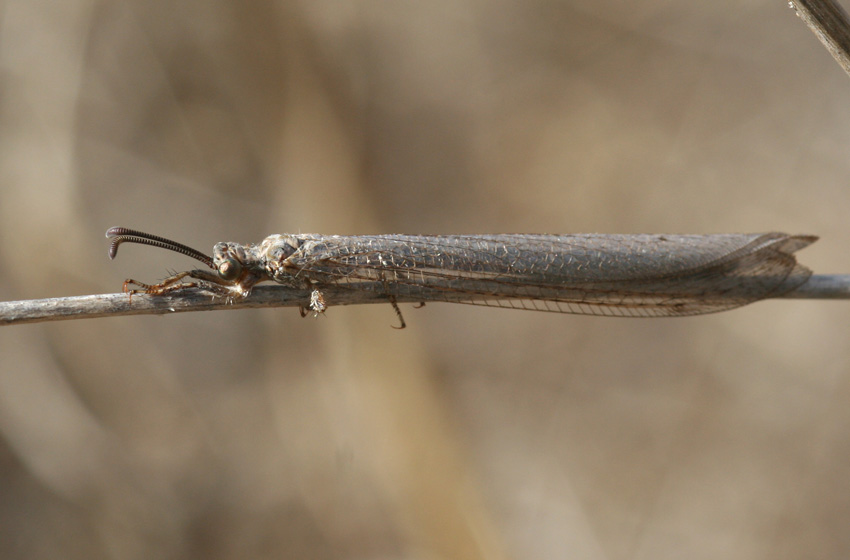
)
(592, 274)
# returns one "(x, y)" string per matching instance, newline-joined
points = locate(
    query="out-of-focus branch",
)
(828, 20)
(115, 305)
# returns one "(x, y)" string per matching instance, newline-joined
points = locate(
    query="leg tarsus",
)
(397, 312)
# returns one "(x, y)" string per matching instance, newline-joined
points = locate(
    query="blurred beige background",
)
(475, 433)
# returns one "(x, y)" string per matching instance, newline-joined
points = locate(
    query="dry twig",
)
(116, 305)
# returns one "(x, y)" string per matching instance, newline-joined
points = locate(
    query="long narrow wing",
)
(622, 275)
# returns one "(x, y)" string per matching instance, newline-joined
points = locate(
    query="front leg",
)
(208, 280)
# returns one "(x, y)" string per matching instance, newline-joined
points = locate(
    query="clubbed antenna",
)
(121, 235)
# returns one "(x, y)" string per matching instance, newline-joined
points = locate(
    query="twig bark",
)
(828, 20)
(116, 305)
(822, 286)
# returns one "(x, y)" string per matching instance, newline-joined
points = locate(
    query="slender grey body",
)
(619, 275)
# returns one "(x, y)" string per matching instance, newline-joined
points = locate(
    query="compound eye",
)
(230, 269)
